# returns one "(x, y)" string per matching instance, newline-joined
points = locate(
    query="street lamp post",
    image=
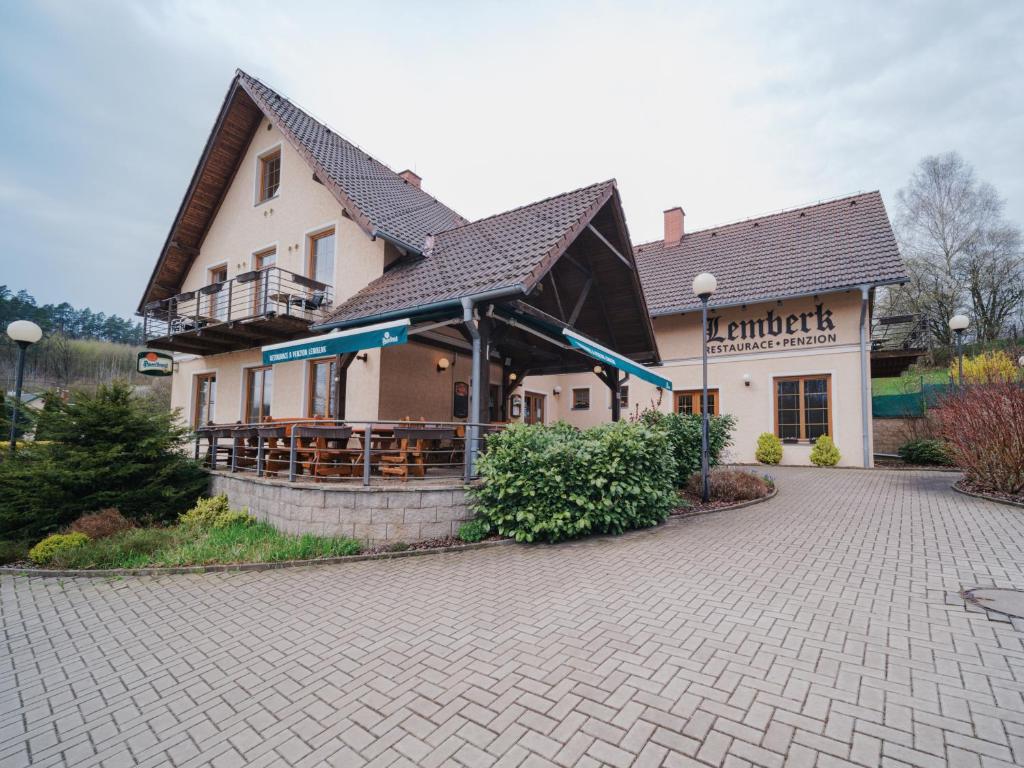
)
(958, 324)
(704, 285)
(23, 333)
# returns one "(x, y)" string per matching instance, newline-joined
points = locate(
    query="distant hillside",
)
(65, 319)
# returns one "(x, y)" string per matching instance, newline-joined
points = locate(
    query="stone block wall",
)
(374, 514)
(890, 434)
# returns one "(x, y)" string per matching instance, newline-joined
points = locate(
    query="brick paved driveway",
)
(815, 629)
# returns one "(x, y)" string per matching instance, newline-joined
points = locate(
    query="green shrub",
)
(214, 512)
(104, 449)
(769, 448)
(13, 551)
(474, 530)
(47, 549)
(683, 431)
(551, 483)
(824, 453)
(233, 517)
(925, 451)
(730, 485)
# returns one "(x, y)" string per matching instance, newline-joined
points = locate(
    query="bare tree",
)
(960, 252)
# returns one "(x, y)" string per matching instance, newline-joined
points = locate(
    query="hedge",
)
(548, 483)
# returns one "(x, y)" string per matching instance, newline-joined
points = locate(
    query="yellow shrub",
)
(985, 368)
(43, 552)
(824, 452)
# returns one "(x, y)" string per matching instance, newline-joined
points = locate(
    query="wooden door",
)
(205, 398)
(534, 408)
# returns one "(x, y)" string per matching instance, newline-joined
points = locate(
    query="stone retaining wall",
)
(374, 514)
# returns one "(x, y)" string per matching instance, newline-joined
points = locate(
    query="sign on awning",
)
(614, 359)
(338, 342)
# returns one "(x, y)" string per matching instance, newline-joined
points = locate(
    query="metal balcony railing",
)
(260, 294)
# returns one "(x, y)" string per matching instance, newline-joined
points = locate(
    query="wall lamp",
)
(598, 370)
(443, 363)
(362, 357)
(746, 379)
(556, 391)
(512, 377)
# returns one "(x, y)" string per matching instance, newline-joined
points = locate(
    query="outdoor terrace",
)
(259, 307)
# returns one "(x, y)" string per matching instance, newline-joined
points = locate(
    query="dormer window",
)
(270, 175)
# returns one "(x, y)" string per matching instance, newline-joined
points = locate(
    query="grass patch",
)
(183, 546)
(909, 382)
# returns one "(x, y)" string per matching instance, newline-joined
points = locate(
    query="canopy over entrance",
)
(514, 286)
(338, 342)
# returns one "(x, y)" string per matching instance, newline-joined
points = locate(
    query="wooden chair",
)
(410, 454)
(321, 460)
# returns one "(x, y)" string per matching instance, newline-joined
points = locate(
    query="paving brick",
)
(822, 628)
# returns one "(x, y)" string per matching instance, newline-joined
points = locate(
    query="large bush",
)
(543, 483)
(924, 451)
(984, 430)
(683, 433)
(104, 449)
(52, 546)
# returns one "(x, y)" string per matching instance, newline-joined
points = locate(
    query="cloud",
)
(729, 109)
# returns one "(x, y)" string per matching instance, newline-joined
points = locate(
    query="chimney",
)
(674, 225)
(411, 177)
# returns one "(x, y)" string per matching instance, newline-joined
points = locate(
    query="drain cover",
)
(1008, 601)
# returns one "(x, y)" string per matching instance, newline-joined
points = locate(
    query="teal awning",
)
(614, 359)
(339, 342)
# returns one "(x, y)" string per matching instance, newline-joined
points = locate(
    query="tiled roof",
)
(829, 246)
(501, 251)
(376, 197)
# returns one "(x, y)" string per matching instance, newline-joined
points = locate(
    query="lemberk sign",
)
(773, 331)
(152, 363)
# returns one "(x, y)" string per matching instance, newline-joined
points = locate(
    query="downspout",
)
(474, 389)
(865, 375)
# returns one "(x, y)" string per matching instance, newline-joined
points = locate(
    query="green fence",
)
(907, 405)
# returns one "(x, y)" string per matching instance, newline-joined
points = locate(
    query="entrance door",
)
(534, 405)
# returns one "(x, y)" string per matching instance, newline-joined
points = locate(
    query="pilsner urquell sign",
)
(771, 331)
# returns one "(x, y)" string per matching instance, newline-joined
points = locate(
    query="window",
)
(803, 407)
(206, 395)
(270, 175)
(581, 399)
(259, 384)
(688, 401)
(263, 260)
(321, 257)
(623, 396)
(218, 298)
(322, 392)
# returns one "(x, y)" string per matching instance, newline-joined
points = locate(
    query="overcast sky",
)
(729, 110)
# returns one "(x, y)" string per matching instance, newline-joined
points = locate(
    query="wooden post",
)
(341, 366)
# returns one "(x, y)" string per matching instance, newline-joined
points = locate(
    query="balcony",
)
(255, 308)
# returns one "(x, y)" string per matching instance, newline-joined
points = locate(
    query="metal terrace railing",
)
(327, 450)
(261, 294)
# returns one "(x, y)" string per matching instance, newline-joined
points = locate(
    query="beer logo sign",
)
(152, 363)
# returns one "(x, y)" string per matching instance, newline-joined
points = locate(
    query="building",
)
(302, 278)
(788, 328)
(293, 247)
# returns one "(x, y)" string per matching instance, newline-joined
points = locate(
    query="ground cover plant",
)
(209, 533)
(729, 486)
